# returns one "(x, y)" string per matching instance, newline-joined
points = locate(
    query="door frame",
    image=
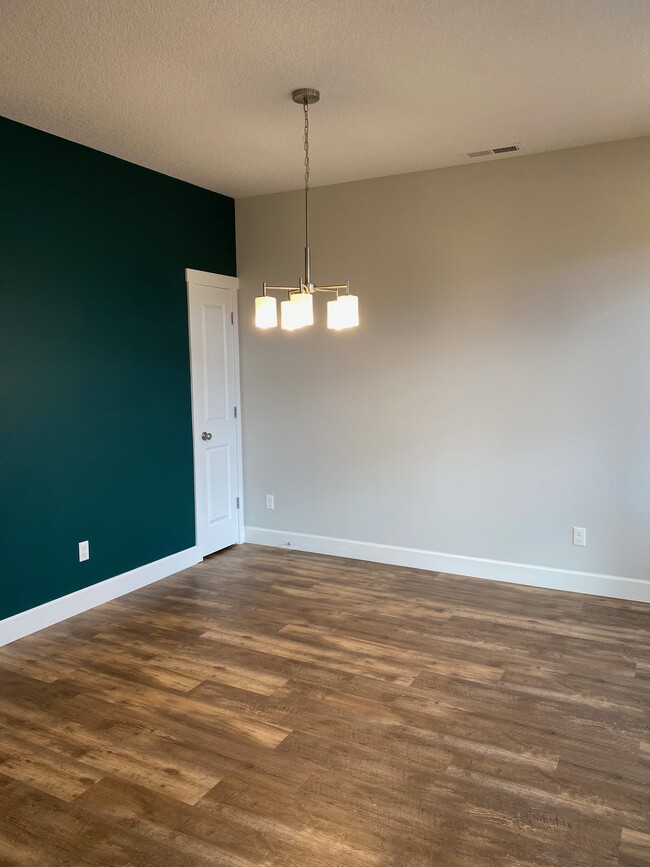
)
(217, 281)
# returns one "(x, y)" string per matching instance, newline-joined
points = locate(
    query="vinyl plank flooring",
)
(277, 708)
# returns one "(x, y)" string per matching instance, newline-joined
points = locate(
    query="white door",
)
(212, 302)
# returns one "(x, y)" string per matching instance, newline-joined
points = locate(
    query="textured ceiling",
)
(199, 89)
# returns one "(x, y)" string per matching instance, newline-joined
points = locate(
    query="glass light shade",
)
(333, 314)
(289, 316)
(298, 311)
(266, 311)
(343, 312)
(305, 304)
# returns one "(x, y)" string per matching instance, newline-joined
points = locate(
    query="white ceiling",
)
(199, 89)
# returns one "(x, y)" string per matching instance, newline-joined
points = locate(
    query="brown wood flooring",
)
(277, 708)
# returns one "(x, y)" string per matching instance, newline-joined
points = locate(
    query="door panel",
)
(213, 408)
(217, 467)
(215, 360)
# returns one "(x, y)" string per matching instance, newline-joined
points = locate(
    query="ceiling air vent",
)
(494, 152)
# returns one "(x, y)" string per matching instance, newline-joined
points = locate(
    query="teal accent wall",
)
(95, 424)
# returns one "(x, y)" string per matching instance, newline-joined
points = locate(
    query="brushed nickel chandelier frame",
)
(298, 311)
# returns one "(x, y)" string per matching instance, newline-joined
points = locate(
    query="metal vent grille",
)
(494, 152)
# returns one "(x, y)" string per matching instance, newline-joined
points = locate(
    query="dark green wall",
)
(95, 426)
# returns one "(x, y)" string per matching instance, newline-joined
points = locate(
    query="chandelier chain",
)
(305, 106)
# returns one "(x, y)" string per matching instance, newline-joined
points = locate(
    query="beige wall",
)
(497, 392)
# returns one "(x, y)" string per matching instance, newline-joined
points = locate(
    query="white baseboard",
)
(591, 583)
(81, 600)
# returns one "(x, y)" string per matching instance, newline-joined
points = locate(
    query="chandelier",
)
(298, 310)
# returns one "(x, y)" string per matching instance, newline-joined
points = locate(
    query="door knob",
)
(206, 436)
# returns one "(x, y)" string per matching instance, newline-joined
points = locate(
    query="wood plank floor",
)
(277, 708)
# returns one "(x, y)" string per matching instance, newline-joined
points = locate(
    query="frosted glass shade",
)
(333, 314)
(305, 305)
(289, 316)
(266, 311)
(298, 311)
(343, 312)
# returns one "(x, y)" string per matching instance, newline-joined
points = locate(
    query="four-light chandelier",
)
(298, 310)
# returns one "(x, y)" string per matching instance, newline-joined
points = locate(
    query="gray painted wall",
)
(497, 392)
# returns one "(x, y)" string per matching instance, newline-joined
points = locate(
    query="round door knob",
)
(206, 436)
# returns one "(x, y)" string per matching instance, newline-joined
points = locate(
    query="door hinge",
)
(235, 412)
(237, 502)
(232, 318)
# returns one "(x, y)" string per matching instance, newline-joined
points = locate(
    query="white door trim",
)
(220, 281)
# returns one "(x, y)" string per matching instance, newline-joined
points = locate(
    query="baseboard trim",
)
(591, 583)
(35, 619)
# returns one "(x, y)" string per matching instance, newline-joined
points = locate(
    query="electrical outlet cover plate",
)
(270, 501)
(84, 551)
(579, 536)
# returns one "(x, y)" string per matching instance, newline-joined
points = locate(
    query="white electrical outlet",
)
(84, 551)
(579, 536)
(270, 501)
